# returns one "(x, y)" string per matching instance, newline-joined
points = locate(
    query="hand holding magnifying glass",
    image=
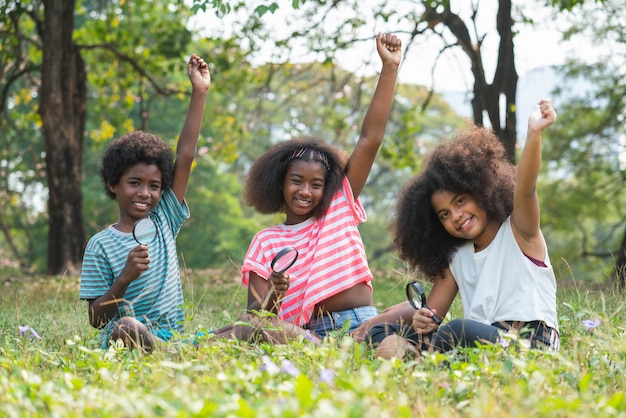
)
(417, 299)
(280, 264)
(144, 233)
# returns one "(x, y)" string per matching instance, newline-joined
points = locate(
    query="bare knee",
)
(133, 334)
(395, 346)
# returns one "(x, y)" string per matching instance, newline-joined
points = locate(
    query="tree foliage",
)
(436, 22)
(133, 55)
(588, 149)
(50, 49)
(588, 164)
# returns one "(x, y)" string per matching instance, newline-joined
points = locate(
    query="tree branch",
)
(135, 65)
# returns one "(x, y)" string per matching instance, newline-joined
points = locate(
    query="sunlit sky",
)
(535, 46)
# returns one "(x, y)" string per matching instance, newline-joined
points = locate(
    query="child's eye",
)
(443, 215)
(295, 181)
(460, 201)
(318, 186)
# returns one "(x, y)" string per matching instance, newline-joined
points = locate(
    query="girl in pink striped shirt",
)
(317, 187)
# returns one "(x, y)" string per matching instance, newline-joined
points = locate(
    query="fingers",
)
(389, 41)
(201, 63)
(423, 322)
(196, 62)
(542, 117)
(547, 110)
(138, 261)
(279, 282)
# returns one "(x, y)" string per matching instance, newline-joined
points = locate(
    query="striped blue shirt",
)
(155, 298)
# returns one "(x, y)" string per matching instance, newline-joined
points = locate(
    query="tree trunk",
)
(505, 80)
(63, 112)
(487, 96)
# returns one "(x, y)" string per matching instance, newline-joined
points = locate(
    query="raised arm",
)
(373, 129)
(200, 77)
(525, 215)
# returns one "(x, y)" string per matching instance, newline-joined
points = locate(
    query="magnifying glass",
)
(284, 259)
(280, 263)
(144, 231)
(417, 298)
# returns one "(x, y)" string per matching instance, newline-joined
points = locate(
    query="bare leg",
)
(394, 346)
(280, 332)
(134, 334)
(252, 328)
(401, 313)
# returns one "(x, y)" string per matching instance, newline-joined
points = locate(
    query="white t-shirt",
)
(500, 283)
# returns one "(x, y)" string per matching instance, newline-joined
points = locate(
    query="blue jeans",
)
(331, 321)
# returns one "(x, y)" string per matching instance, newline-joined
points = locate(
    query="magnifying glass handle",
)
(434, 317)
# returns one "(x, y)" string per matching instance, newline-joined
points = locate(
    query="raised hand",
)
(198, 71)
(542, 117)
(389, 48)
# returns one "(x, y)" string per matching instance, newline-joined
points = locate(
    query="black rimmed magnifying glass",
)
(281, 262)
(284, 259)
(417, 298)
(145, 231)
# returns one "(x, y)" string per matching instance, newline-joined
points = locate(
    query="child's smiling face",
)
(462, 217)
(303, 189)
(137, 193)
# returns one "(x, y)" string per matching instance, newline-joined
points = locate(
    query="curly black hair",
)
(263, 185)
(136, 147)
(474, 163)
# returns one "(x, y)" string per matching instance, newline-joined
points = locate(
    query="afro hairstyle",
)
(133, 148)
(473, 163)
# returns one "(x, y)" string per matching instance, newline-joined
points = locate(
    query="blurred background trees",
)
(270, 84)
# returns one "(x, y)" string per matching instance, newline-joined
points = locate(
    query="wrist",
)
(199, 91)
(534, 132)
(391, 65)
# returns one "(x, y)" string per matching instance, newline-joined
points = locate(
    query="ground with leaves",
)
(51, 365)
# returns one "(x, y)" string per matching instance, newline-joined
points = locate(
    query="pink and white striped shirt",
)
(331, 256)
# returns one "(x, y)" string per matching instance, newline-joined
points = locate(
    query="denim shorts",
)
(332, 321)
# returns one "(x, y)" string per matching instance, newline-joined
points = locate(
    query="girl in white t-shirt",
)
(470, 222)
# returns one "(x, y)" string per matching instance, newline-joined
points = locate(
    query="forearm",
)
(401, 313)
(104, 308)
(530, 164)
(375, 120)
(190, 132)
(273, 303)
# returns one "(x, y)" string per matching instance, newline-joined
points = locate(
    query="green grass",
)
(64, 374)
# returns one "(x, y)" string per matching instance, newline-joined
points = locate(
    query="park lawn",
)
(64, 373)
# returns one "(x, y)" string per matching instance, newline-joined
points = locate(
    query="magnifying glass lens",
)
(415, 297)
(144, 231)
(284, 259)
